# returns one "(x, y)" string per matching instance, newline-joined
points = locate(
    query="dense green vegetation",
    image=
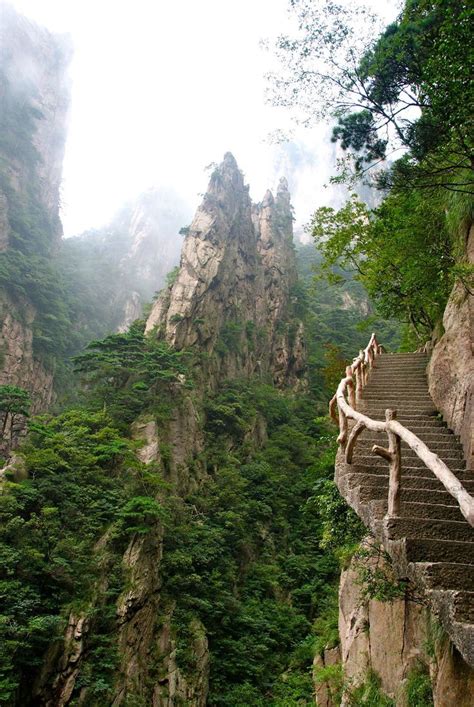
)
(339, 319)
(253, 554)
(253, 547)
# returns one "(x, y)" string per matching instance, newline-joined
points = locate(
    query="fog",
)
(162, 89)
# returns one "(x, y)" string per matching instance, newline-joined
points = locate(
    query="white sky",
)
(161, 88)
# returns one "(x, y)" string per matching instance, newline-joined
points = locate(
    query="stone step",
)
(403, 411)
(444, 451)
(446, 575)
(409, 460)
(401, 356)
(435, 444)
(457, 531)
(424, 425)
(388, 398)
(422, 472)
(458, 603)
(427, 430)
(419, 509)
(415, 369)
(418, 407)
(430, 510)
(464, 606)
(382, 391)
(428, 422)
(386, 401)
(431, 550)
(387, 380)
(441, 436)
(408, 404)
(422, 483)
(380, 365)
(409, 495)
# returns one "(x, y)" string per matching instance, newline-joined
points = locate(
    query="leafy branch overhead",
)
(406, 91)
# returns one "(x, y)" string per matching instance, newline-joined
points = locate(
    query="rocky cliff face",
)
(230, 304)
(396, 640)
(233, 292)
(34, 97)
(451, 368)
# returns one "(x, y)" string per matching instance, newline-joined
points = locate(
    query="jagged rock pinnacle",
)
(230, 161)
(283, 198)
(268, 199)
(282, 185)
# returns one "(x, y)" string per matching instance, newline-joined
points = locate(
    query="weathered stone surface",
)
(19, 365)
(62, 664)
(323, 690)
(15, 470)
(34, 74)
(453, 680)
(393, 639)
(451, 368)
(237, 273)
(174, 687)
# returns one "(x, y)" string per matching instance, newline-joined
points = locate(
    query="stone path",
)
(430, 543)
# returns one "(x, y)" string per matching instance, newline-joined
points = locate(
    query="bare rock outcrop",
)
(234, 290)
(393, 639)
(451, 368)
(34, 98)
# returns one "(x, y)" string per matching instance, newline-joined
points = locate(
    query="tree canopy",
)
(409, 90)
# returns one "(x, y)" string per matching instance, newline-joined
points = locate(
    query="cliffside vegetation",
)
(252, 549)
(408, 94)
(253, 554)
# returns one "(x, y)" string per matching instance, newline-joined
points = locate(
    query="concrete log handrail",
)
(345, 402)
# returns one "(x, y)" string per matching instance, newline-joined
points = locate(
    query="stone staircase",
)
(430, 542)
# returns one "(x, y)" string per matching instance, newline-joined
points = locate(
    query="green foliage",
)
(332, 676)
(124, 372)
(369, 694)
(230, 339)
(339, 318)
(401, 252)
(80, 472)
(341, 527)
(375, 576)
(243, 554)
(14, 400)
(139, 515)
(390, 93)
(418, 689)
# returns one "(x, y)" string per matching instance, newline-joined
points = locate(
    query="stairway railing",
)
(345, 401)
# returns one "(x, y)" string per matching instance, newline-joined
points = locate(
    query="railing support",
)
(346, 399)
(395, 469)
(394, 457)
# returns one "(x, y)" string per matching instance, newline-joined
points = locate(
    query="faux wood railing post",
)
(395, 469)
(342, 427)
(343, 407)
(350, 386)
(394, 457)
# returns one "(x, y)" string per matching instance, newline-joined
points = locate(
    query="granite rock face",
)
(34, 98)
(394, 639)
(232, 302)
(451, 368)
(235, 287)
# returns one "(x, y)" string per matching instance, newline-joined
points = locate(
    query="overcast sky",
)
(161, 88)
